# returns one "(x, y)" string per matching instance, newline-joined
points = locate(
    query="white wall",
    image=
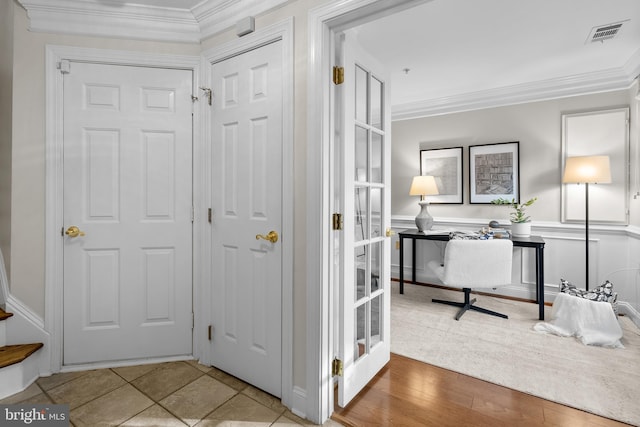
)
(298, 10)
(6, 95)
(27, 191)
(28, 149)
(537, 126)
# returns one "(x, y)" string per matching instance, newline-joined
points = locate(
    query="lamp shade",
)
(423, 185)
(587, 169)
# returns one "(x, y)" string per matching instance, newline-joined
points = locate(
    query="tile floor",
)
(164, 394)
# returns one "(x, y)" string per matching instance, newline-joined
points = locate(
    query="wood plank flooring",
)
(411, 393)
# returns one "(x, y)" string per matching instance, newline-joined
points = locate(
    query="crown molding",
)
(217, 16)
(581, 84)
(106, 18)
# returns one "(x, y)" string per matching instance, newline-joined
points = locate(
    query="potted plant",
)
(520, 221)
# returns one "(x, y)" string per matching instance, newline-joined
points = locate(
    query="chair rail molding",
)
(614, 257)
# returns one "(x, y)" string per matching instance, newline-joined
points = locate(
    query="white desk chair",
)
(474, 264)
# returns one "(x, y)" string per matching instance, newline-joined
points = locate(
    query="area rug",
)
(508, 352)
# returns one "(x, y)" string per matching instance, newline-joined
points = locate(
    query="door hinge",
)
(336, 368)
(338, 75)
(337, 221)
(193, 320)
(64, 66)
(208, 93)
(210, 215)
(209, 332)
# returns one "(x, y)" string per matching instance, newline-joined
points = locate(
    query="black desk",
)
(535, 242)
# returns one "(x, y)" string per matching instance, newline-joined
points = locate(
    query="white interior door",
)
(247, 203)
(128, 190)
(364, 344)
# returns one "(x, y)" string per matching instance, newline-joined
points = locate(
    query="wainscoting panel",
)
(610, 258)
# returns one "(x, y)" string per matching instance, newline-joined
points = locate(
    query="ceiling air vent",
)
(604, 32)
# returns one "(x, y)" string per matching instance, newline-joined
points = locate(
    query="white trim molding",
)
(323, 23)
(140, 21)
(614, 250)
(582, 84)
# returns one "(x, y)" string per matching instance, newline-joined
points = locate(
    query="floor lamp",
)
(587, 170)
(423, 185)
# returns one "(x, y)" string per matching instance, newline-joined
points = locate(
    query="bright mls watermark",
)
(34, 415)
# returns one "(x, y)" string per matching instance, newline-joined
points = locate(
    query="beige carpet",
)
(599, 380)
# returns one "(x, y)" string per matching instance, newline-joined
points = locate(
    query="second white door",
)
(247, 216)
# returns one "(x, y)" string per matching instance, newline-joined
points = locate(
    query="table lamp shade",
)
(587, 169)
(423, 185)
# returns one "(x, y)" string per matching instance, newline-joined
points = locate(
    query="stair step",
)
(4, 315)
(12, 354)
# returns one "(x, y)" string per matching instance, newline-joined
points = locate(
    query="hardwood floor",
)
(411, 393)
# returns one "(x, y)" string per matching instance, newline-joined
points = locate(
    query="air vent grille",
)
(604, 32)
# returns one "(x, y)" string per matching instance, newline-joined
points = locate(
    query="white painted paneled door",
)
(247, 203)
(128, 190)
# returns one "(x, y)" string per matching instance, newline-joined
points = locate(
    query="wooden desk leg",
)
(401, 268)
(540, 281)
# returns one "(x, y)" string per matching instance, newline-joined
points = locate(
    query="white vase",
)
(424, 220)
(521, 229)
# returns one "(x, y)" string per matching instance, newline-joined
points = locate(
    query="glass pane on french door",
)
(368, 204)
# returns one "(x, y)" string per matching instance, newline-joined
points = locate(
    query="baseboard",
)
(122, 363)
(628, 310)
(299, 402)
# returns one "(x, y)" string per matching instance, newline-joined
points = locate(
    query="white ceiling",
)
(461, 48)
(461, 54)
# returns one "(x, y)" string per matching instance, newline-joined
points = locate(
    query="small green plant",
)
(518, 215)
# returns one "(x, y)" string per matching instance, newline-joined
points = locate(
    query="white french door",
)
(127, 211)
(364, 342)
(247, 177)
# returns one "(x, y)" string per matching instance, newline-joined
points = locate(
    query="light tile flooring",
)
(165, 394)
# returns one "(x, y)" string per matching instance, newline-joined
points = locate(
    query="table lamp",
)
(424, 185)
(587, 170)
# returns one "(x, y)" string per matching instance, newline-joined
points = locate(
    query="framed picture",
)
(494, 171)
(445, 165)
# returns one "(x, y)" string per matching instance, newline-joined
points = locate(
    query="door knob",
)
(390, 232)
(74, 231)
(272, 236)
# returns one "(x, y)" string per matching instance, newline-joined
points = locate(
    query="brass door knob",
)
(74, 231)
(272, 236)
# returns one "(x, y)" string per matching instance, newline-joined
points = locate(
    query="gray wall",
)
(537, 126)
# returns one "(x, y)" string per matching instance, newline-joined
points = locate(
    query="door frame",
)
(324, 24)
(54, 168)
(282, 31)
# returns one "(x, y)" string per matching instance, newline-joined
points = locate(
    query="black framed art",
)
(445, 165)
(494, 171)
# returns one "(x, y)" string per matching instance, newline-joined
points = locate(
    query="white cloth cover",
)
(475, 263)
(592, 322)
